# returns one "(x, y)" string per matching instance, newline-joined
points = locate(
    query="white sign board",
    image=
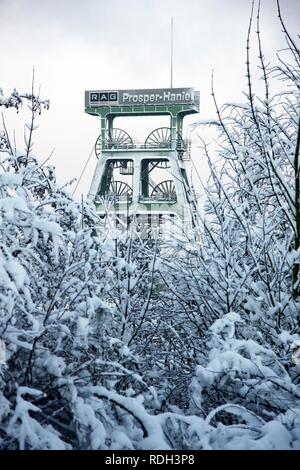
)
(157, 96)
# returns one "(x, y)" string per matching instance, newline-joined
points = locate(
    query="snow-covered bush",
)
(247, 278)
(55, 282)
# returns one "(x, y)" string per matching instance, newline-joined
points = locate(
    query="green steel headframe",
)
(175, 102)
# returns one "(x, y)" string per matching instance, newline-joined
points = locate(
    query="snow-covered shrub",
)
(247, 277)
(55, 282)
(243, 372)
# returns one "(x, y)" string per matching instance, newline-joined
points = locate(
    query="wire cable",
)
(82, 173)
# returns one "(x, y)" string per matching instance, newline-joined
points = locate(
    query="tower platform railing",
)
(183, 147)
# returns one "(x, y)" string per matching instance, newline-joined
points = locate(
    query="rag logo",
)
(102, 97)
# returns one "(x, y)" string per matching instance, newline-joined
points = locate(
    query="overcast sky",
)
(77, 45)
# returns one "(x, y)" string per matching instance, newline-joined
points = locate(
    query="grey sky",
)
(77, 45)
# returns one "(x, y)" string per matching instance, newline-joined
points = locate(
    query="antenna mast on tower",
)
(172, 52)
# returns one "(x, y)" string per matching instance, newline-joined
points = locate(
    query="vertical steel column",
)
(173, 131)
(179, 124)
(103, 129)
(110, 120)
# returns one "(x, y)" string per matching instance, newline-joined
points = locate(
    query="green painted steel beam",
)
(142, 110)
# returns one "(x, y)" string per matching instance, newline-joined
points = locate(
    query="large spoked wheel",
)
(114, 139)
(159, 138)
(120, 190)
(165, 190)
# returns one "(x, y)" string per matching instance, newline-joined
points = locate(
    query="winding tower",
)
(143, 181)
